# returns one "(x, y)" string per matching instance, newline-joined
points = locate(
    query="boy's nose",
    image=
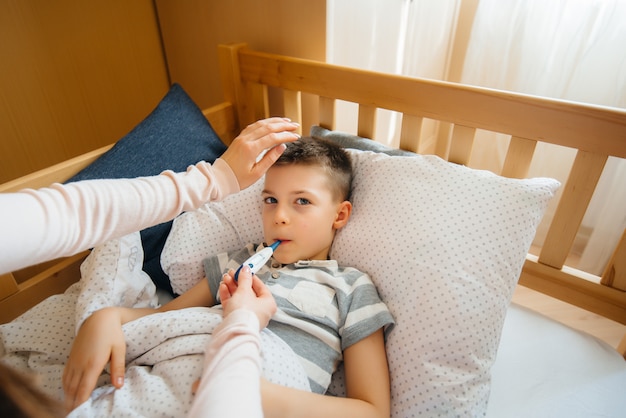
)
(280, 216)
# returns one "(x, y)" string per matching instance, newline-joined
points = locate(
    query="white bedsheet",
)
(546, 369)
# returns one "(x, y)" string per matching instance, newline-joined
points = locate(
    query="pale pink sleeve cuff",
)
(226, 177)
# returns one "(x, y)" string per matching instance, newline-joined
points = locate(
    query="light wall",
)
(78, 75)
(74, 76)
(193, 29)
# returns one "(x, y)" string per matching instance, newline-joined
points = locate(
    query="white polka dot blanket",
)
(164, 352)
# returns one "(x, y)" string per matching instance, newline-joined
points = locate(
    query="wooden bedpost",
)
(251, 99)
(8, 285)
(231, 78)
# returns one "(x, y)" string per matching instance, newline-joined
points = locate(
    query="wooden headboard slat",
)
(519, 155)
(615, 273)
(576, 196)
(327, 112)
(366, 121)
(461, 144)
(586, 127)
(293, 106)
(258, 97)
(411, 138)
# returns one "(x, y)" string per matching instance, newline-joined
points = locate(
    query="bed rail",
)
(596, 133)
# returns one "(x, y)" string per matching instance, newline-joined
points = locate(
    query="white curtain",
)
(568, 49)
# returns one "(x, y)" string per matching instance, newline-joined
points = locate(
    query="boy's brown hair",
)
(332, 158)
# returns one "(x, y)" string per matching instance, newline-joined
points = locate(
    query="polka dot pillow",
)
(214, 228)
(443, 243)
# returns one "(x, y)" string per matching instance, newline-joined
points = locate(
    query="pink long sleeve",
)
(39, 225)
(230, 385)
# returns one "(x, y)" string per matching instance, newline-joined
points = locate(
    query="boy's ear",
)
(343, 214)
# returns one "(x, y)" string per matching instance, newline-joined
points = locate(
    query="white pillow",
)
(214, 228)
(444, 245)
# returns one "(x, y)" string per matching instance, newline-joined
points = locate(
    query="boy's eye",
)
(302, 201)
(269, 200)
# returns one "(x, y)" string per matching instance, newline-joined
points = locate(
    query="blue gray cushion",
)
(175, 135)
(355, 142)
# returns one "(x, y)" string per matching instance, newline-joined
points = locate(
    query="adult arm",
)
(61, 220)
(230, 384)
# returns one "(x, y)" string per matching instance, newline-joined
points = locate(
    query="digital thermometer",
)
(258, 260)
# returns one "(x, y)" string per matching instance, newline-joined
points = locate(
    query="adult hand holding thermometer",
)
(258, 260)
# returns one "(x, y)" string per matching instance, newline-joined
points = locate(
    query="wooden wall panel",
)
(74, 76)
(192, 30)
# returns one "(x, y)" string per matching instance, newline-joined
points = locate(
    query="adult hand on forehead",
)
(248, 292)
(243, 153)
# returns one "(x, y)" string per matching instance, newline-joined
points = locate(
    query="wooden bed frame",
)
(596, 132)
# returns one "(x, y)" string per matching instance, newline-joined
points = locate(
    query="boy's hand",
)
(249, 292)
(99, 340)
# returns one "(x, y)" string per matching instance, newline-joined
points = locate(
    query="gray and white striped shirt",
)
(322, 308)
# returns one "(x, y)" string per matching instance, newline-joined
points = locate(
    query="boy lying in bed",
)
(326, 313)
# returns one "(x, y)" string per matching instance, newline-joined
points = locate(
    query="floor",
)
(605, 329)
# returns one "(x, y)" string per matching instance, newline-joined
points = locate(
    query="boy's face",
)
(300, 210)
